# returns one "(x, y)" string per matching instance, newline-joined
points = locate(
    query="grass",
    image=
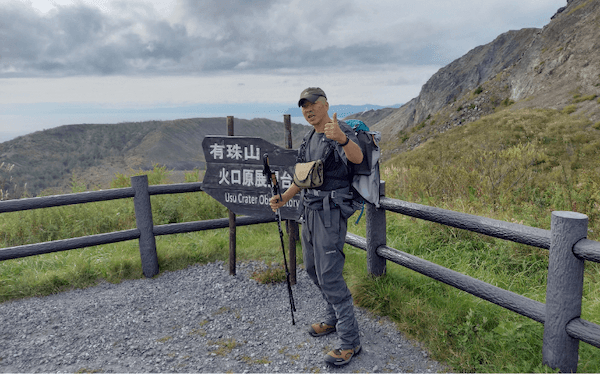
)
(273, 274)
(469, 334)
(225, 346)
(517, 166)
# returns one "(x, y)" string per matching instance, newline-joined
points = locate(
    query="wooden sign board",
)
(234, 174)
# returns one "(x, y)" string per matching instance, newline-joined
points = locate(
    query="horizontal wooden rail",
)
(506, 299)
(164, 189)
(121, 236)
(93, 196)
(60, 200)
(587, 250)
(221, 223)
(585, 331)
(499, 229)
(568, 250)
(356, 241)
(67, 244)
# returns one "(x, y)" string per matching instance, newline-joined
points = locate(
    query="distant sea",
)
(21, 119)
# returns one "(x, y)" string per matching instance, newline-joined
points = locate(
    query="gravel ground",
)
(196, 320)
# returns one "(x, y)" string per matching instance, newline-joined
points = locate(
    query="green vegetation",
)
(507, 102)
(403, 136)
(580, 99)
(273, 274)
(579, 7)
(569, 109)
(225, 346)
(47, 159)
(517, 166)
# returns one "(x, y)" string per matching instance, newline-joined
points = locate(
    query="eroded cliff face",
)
(563, 59)
(545, 68)
(461, 76)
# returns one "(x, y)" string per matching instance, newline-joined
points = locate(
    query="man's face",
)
(315, 113)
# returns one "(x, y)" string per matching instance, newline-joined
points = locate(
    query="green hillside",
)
(535, 160)
(93, 154)
(516, 166)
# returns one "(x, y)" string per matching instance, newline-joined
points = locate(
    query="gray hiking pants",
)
(322, 250)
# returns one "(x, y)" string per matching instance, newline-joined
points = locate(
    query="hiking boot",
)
(340, 357)
(320, 329)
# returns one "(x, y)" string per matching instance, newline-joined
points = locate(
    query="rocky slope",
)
(552, 67)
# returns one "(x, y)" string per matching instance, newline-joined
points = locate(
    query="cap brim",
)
(312, 98)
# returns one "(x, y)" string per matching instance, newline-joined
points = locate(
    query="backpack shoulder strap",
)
(302, 150)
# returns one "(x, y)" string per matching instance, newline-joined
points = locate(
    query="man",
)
(326, 210)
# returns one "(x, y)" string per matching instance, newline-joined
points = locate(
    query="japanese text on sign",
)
(244, 176)
(234, 152)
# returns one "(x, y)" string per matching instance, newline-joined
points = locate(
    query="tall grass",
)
(525, 164)
(515, 166)
(41, 275)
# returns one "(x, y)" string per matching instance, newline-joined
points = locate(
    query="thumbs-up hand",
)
(333, 131)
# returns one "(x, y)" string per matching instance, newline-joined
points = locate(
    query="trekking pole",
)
(276, 191)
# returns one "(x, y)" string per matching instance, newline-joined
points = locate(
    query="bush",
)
(569, 109)
(579, 98)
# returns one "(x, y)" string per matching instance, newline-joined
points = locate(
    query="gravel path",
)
(196, 320)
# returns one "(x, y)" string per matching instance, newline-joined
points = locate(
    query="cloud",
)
(200, 37)
(83, 40)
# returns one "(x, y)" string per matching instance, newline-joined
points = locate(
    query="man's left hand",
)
(333, 131)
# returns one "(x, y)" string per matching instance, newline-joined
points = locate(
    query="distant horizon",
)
(52, 115)
(109, 61)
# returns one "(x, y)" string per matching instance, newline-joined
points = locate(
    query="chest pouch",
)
(309, 174)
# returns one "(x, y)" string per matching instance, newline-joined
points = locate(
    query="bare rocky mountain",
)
(552, 67)
(371, 117)
(95, 153)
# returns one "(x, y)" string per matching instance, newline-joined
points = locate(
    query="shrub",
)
(569, 109)
(507, 102)
(273, 274)
(578, 98)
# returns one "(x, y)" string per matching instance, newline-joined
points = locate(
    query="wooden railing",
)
(569, 249)
(145, 231)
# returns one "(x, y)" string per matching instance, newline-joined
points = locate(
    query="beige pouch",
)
(309, 174)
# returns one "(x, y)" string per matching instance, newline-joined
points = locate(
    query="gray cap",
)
(311, 94)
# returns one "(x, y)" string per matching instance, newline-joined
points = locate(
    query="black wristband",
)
(347, 141)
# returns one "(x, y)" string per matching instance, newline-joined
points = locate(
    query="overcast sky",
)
(98, 61)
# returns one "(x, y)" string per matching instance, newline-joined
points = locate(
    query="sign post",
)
(232, 224)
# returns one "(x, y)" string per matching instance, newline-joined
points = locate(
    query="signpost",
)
(234, 174)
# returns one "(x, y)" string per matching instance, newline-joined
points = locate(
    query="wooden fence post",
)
(291, 225)
(232, 227)
(376, 236)
(144, 222)
(564, 290)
